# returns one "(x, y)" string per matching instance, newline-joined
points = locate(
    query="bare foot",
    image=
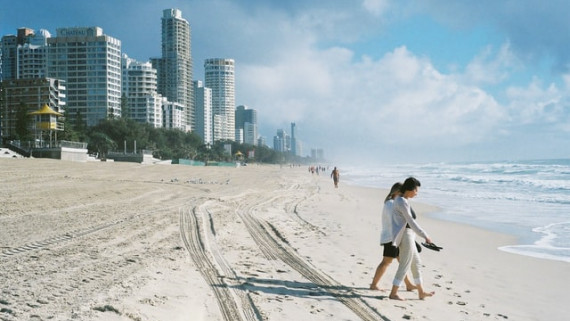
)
(374, 287)
(396, 297)
(424, 295)
(411, 287)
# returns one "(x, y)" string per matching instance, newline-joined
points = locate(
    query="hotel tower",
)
(90, 64)
(174, 68)
(220, 77)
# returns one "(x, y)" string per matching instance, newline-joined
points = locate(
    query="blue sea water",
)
(527, 199)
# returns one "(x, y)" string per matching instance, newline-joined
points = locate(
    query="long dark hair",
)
(395, 188)
(410, 184)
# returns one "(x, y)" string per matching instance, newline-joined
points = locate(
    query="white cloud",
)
(376, 7)
(537, 104)
(490, 67)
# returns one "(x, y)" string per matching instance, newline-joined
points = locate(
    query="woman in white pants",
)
(405, 229)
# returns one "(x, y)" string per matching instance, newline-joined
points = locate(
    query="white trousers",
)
(409, 258)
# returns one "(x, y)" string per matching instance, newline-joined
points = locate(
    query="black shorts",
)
(390, 250)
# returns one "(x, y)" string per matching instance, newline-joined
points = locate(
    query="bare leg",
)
(422, 294)
(380, 270)
(394, 294)
(409, 285)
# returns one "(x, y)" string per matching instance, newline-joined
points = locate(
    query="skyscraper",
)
(220, 77)
(143, 104)
(24, 55)
(294, 139)
(203, 117)
(175, 66)
(90, 64)
(246, 123)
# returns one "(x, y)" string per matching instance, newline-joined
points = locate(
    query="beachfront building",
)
(250, 133)
(174, 68)
(282, 141)
(220, 77)
(296, 146)
(218, 124)
(9, 47)
(246, 124)
(203, 116)
(143, 103)
(261, 141)
(22, 96)
(90, 64)
(25, 54)
(172, 114)
(318, 154)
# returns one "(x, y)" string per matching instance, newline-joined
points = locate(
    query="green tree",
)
(23, 123)
(101, 143)
(80, 124)
(125, 110)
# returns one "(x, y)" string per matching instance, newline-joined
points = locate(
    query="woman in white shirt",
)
(404, 228)
(386, 237)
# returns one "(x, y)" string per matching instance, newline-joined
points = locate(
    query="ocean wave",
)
(558, 254)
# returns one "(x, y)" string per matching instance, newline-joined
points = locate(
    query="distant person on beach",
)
(403, 227)
(386, 238)
(335, 176)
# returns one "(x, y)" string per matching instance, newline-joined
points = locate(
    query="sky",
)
(368, 81)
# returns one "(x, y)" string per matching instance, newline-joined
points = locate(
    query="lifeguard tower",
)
(46, 119)
(49, 120)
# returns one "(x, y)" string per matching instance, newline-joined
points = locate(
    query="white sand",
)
(122, 241)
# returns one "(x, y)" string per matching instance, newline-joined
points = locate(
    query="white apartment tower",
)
(175, 66)
(203, 117)
(90, 64)
(143, 103)
(24, 55)
(220, 77)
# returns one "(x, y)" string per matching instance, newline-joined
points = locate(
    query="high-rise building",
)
(90, 64)
(24, 55)
(282, 141)
(250, 133)
(220, 77)
(203, 117)
(143, 104)
(172, 114)
(294, 139)
(175, 66)
(246, 123)
(9, 48)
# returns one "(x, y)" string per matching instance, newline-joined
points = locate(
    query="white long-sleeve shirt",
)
(386, 236)
(402, 215)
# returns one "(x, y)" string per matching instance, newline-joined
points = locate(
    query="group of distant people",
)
(316, 169)
(398, 235)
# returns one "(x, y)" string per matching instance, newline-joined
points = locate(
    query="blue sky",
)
(368, 80)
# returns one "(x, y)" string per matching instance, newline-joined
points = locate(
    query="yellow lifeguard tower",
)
(46, 119)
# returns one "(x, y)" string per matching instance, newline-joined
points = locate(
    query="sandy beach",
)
(126, 241)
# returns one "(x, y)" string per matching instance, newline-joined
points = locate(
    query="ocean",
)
(527, 199)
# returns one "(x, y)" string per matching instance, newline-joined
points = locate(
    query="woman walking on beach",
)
(404, 226)
(386, 237)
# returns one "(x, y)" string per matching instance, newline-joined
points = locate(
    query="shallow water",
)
(527, 199)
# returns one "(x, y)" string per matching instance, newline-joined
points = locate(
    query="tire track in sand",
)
(234, 303)
(273, 246)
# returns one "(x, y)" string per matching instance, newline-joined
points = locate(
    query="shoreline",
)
(126, 241)
(517, 240)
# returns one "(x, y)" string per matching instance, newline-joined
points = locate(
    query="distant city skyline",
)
(370, 80)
